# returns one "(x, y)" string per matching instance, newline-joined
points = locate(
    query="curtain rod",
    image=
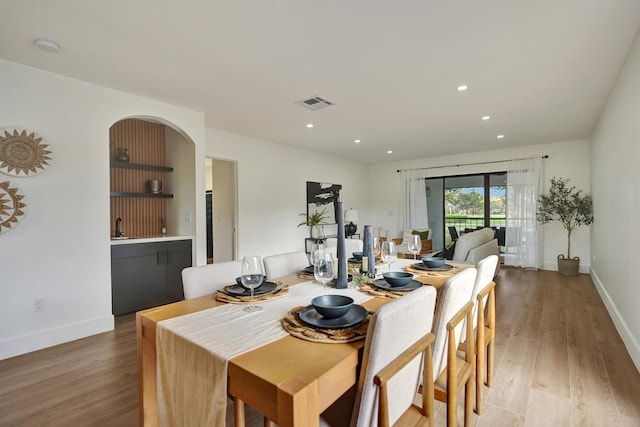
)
(546, 156)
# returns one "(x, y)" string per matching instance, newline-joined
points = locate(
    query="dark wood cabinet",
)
(145, 275)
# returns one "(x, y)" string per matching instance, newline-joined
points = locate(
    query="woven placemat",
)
(305, 275)
(450, 272)
(377, 292)
(278, 292)
(296, 327)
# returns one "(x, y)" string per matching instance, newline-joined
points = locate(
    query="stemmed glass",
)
(323, 269)
(415, 245)
(251, 277)
(376, 247)
(317, 250)
(389, 253)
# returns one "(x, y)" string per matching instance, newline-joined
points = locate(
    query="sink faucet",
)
(118, 222)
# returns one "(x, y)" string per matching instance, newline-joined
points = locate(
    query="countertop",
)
(148, 239)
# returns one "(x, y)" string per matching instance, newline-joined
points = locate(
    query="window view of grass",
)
(464, 208)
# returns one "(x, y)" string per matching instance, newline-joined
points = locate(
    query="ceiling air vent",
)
(315, 103)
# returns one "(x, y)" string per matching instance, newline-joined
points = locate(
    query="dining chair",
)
(450, 370)
(351, 245)
(284, 264)
(485, 327)
(396, 360)
(206, 279)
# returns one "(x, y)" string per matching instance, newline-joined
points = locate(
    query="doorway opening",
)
(221, 213)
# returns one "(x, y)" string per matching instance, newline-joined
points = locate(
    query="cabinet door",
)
(179, 258)
(138, 279)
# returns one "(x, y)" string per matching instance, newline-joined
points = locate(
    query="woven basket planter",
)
(568, 266)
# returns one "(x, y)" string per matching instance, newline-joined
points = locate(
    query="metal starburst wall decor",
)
(23, 152)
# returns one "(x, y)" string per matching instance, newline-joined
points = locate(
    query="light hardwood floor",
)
(559, 362)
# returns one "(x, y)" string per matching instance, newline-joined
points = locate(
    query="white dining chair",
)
(484, 298)
(206, 279)
(450, 370)
(351, 245)
(396, 360)
(284, 264)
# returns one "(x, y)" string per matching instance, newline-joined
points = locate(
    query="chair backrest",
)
(486, 269)
(394, 327)
(284, 264)
(453, 232)
(206, 279)
(454, 294)
(351, 245)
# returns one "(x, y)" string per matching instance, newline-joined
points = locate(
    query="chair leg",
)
(480, 364)
(468, 402)
(452, 408)
(238, 406)
(490, 352)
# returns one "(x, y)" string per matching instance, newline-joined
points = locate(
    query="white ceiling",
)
(541, 69)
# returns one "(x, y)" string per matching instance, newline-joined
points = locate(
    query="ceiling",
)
(541, 69)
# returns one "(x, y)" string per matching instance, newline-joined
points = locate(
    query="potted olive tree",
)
(572, 209)
(315, 220)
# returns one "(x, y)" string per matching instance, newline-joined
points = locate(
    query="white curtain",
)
(413, 201)
(524, 235)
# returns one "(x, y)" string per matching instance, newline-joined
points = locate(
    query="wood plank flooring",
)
(559, 362)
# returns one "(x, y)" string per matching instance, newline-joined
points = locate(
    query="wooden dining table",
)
(290, 380)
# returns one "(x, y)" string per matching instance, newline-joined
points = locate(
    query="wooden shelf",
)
(149, 195)
(139, 166)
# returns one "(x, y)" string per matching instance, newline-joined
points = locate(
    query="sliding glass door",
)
(460, 204)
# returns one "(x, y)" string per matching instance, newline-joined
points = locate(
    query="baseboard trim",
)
(630, 341)
(54, 336)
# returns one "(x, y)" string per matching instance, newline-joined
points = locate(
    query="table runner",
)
(193, 351)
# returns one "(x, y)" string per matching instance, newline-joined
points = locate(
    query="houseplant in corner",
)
(572, 209)
(315, 220)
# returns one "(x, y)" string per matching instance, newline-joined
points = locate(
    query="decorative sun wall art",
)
(12, 207)
(22, 151)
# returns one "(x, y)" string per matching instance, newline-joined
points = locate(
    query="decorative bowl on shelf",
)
(433, 262)
(397, 278)
(332, 306)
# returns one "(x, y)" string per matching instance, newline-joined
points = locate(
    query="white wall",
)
(61, 251)
(615, 150)
(566, 159)
(272, 189)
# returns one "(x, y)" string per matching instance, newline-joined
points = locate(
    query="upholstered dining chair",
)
(450, 370)
(485, 327)
(206, 279)
(396, 360)
(351, 245)
(284, 264)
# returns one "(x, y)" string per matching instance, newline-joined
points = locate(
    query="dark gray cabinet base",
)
(145, 275)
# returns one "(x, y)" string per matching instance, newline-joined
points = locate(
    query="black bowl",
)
(239, 282)
(433, 262)
(397, 278)
(358, 255)
(332, 306)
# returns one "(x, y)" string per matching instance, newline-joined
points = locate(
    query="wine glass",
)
(323, 269)
(317, 250)
(389, 253)
(376, 247)
(251, 277)
(415, 245)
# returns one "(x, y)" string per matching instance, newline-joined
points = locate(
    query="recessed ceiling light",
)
(486, 117)
(309, 125)
(500, 136)
(389, 152)
(47, 45)
(462, 88)
(357, 141)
